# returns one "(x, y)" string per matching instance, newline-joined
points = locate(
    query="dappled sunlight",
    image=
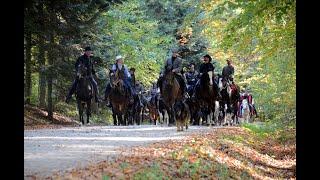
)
(258, 157)
(222, 158)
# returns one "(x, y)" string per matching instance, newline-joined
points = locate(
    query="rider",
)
(251, 102)
(127, 79)
(247, 95)
(228, 71)
(207, 67)
(139, 90)
(154, 92)
(84, 59)
(133, 79)
(174, 64)
(191, 76)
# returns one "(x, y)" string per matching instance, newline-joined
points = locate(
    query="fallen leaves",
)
(223, 153)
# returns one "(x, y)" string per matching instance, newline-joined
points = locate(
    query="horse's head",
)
(207, 79)
(220, 84)
(229, 90)
(82, 71)
(169, 77)
(116, 80)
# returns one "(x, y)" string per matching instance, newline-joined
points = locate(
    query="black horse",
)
(84, 93)
(206, 95)
(119, 98)
(134, 111)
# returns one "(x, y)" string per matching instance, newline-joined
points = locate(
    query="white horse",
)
(245, 110)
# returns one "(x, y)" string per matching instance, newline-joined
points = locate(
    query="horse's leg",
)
(80, 109)
(142, 115)
(173, 115)
(120, 119)
(170, 117)
(88, 111)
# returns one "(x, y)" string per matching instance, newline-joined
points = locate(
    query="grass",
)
(262, 129)
(153, 172)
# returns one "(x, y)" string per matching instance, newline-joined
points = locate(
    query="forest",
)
(259, 36)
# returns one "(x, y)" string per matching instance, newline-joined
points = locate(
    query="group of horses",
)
(202, 107)
(203, 103)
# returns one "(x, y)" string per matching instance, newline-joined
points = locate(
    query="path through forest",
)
(52, 150)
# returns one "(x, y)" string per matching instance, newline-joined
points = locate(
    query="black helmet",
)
(208, 56)
(88, 48)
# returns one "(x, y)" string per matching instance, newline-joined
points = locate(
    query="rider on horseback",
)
(191, 77)
(127, 78)
(247, 95)
(207, 67)
(155, 92)
(228, 71)
(174, 64)
(84, 59)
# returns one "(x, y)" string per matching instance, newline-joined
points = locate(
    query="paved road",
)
(55, 150)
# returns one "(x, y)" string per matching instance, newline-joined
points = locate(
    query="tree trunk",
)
(42, 61)
(49, 77)
(42, 78)
(28, 69)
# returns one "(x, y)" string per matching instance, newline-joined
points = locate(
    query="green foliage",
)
(35, 89)
(103, 117)
(153, 172)
(259, 36)
(261, 129)
(222, 171)
(105, 177)
(69, 110)
(136, 37)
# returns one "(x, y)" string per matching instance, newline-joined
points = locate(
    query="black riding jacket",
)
(87, 62)
(206, 67)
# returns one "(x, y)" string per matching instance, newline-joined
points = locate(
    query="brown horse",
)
(170, 92)
(119, 97)
(230, 93)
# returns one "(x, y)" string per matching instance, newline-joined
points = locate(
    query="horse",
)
(153, 109)
(195, 110)
(246, 114)
(170, 92)
(84, 93)
(119, 98)
(134, 111)
(206, 95)
(163, 113)
(230, 99)
(144, 102)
